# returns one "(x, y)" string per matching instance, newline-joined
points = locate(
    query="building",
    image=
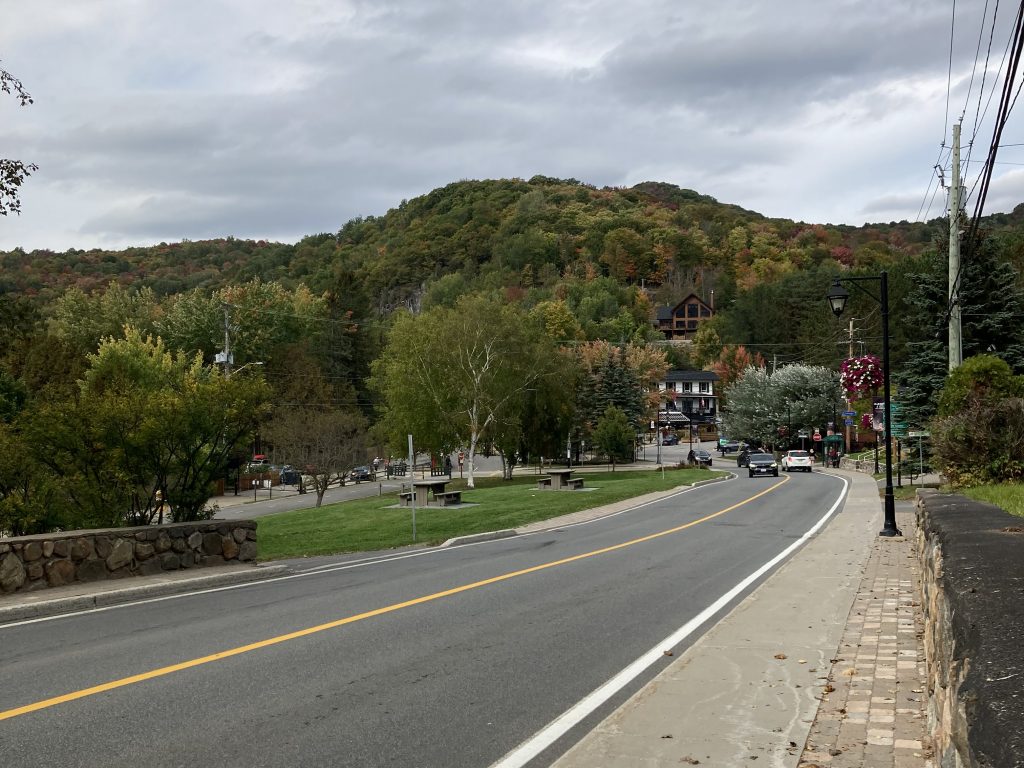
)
(682, 321)
(689, 397)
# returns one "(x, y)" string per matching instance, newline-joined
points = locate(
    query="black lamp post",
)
(837, 296)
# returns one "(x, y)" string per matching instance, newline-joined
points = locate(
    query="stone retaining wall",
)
(972, 579)
(55, 559)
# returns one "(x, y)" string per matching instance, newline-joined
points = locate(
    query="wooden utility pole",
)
(848, 356)
(955, 338)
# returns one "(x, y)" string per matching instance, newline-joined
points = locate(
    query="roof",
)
(679, 375)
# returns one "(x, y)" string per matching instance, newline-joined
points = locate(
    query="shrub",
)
(981, 443)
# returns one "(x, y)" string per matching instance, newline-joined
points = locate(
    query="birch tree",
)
(451, 376)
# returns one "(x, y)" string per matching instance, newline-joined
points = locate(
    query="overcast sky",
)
(168, 119)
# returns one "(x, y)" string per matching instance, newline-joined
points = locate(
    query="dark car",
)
(728, 446)
(361, 473)
(670, 440)
(290, 476)
(703, 458)
(762, 464)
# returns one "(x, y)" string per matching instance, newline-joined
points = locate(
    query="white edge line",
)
(561, 725)
(319, 570)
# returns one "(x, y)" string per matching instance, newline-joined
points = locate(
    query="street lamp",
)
(837, 296)
(241, 368)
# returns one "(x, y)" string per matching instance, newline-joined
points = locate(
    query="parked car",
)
(361, 473)
(794, 460)
(670, 440)
(728, 446)
(762, 464)
(290, 475)
(703, 458)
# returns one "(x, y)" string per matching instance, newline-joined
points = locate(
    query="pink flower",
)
(860, 375)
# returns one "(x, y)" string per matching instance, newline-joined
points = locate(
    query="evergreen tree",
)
(617, 386)
(992, 304)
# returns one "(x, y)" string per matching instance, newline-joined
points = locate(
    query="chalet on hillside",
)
(682, 321)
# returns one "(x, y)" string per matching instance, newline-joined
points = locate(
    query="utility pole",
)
(227, 341)
(955, 339)
(848, 356)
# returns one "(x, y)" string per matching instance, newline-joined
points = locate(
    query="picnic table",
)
(424, 489)
(560, 478)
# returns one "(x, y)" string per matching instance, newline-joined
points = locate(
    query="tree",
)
(321, 443)
(450, 376)
(802, 396)
(614, 436)
(991, 303)
(143, 421)
(731, 363)
(982, 379)
(82, 319)
(13, 172)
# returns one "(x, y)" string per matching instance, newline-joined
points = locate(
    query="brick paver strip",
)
(876, 686)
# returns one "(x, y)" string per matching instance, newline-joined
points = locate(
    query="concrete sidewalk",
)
(822, 665)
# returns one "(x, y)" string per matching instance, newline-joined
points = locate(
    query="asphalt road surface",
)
(441, 658)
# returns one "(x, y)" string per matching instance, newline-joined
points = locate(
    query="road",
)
(440, 658)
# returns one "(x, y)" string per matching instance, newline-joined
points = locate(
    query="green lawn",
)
(376, 523)
(1009, 496)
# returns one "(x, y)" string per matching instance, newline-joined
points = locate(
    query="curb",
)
(45, 608)
(475, 537)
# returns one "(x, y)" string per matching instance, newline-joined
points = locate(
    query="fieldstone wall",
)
(56, 559)
(972, 579)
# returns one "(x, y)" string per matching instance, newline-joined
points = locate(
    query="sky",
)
(274, 119)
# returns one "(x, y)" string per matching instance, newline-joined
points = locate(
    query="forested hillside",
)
(92, 341)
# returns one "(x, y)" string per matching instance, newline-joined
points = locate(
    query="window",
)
(671, 386)
(687, 386)
(692, 310)
(705, 387)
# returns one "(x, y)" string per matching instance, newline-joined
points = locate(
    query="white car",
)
(794, 460)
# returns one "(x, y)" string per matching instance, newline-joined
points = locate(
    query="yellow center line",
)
(162, 671)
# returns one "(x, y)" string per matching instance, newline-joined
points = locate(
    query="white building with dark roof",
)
(688, 397)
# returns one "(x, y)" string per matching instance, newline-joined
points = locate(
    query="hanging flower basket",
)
(860, 376)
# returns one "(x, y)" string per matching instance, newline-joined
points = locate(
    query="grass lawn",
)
(1009, 496)
(376, 523)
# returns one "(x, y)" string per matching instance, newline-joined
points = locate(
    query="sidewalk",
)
(822, 665)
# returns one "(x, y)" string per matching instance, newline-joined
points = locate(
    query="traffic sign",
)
(851, 414)
(848, 422)
(919, 433)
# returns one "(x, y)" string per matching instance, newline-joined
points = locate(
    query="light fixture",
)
(837, 296)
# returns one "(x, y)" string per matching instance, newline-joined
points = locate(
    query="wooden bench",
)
(448, 498)
(543, 482)
(405, 498)
(574, 483)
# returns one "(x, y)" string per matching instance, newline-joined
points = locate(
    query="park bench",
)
(574, 483)
(543, 482)
(448, 498)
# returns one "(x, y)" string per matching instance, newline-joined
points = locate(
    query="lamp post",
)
(837, 296)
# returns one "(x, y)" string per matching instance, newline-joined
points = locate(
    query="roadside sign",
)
(848, 422)
(919, 433)
(851, 414)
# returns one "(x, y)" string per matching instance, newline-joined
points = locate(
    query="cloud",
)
(257, 118)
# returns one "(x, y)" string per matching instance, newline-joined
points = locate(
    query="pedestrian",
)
(448, 465)
(691, 458)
